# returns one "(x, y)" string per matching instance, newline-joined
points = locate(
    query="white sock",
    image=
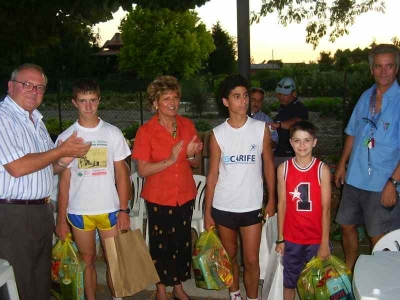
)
(250, 298)
(235, 295)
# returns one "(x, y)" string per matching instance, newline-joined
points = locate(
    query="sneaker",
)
(236, 296)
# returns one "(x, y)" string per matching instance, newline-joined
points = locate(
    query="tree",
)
(325, 61)
(163, 41)
(321, 15)
(223, 59)
(29, 25)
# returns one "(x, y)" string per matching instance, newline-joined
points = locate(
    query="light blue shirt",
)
(20, 136)
(263, 117)
(385, 154)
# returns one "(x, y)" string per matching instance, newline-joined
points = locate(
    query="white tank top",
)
(240, 186)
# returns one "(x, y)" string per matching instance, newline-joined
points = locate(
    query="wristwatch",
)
(127, 211)
(394, 182)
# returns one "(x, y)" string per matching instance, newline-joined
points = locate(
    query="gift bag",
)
(67, 271)
(55, 268)
(131, 266)
(276, 291)
(273, 273)
(211, 264)
(325, 279)
(269, 234)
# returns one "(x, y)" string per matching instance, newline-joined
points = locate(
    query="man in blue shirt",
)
(257, 95)
(373, 147)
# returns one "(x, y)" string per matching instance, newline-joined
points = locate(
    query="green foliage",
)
(194, 90)
(176, 5)
(130, 131)
(222, 109)
(325, 61)
(223, 59)
(327, 107)
(202, 125)
(53, 126)
(164, 42)
(323, 17)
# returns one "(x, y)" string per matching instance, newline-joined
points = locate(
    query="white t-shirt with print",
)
(92, 186)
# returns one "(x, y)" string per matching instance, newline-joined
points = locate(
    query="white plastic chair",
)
(139, 211)
(7, 278)
(198, 208)
(389, 242)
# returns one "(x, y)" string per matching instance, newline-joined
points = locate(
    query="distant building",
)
(111, 47)
(254, 68)
(109, 51)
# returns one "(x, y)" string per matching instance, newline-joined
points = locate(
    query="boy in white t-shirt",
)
(93, 190)
(239, 149)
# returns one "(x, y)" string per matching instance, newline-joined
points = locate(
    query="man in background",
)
(257, 96)
(290, 111)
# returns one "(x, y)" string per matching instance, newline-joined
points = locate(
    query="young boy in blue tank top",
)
(239, 149)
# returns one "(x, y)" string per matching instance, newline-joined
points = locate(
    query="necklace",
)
(174, 127)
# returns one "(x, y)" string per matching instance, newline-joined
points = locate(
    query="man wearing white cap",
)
(290, 111)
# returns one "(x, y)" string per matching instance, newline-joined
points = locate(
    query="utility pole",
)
(243, 37)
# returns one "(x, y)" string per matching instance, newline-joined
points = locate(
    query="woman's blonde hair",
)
(161, 85)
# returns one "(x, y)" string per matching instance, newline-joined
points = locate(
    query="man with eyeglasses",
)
(290, 111)
(257, 95)
(372, 150)
(28, 159)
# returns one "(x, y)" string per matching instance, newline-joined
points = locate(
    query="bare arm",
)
(212, 179)
(146, 168)
(340, 171)
(324, 250)
(124, 190)
(33, 162)
(281, 208)
(62, 227)
(285, 124)
(389, 193)
(269, 172)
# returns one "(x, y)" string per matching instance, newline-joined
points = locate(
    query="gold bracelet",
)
(62, 165)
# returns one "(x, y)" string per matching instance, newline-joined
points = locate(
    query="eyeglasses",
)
(29, 86)
(369, 121)
(286, 87)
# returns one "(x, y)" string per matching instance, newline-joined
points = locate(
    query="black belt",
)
(25, 202)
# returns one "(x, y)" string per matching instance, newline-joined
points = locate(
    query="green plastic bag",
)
(67, 271)
(211, 264)
(328, 279)
(55, 268)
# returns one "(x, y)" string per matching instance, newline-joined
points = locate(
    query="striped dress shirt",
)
(20, 136)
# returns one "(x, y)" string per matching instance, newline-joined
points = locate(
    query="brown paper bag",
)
(131, 267)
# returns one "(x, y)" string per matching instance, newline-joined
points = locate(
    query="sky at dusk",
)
(268, 39)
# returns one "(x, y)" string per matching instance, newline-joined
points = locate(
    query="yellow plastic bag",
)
(67, 271)
(211, 264)
(328, 279)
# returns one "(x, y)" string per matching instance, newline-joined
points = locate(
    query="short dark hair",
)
(303, 125)
(231, 82)
(85, 86)
(384, 49)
